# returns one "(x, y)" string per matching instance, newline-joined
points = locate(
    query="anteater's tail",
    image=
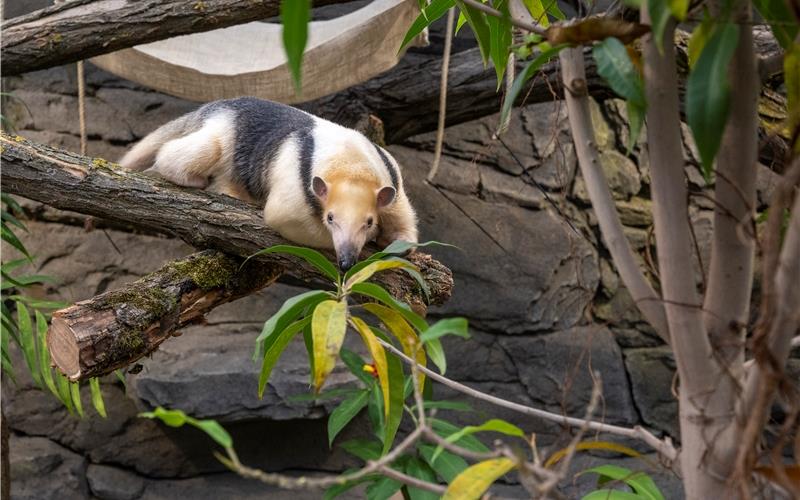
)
(143, 154)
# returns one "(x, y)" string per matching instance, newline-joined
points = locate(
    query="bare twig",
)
(448, 42)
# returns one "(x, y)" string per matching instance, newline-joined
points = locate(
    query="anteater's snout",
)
(346, 261)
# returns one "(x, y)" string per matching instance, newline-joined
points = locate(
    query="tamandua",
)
(321, 184)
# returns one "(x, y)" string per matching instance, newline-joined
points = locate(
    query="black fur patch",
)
(389, 166)
(261, 129)
(305, 148)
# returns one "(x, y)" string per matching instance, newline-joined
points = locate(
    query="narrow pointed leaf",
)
(447, 465)
(480, 29)
(396, 398)
(641, 483)
(75, 393)
(27, 342)
(328, 325)
(284, 317)
(378, 357)
(402, 331)
(708, 94)
(345, 412)
(699, 38)
(274, 351)
(444, 429)
(378, 293)
(365, 449)
(434, 10)
(493, 425)
(417, 468)
(475, 480)
(295, 16)
(214, 430)
(500, 37)
(447, 326)
(377, 266)
(313, 257)
(436, 353)
(97, 397)
(64, 394)
(44, 354)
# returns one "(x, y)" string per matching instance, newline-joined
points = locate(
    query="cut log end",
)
(63, 346)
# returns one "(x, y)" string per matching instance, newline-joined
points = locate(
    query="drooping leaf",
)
(97, 397)
(75, 394)
(415, 467)
(396, 398)
(641, 483)
(345, 412)
(44, 354)
(460, 22)
(10, 238)
(28, 342)
(660, 14)
(594, 29)
(365, 449)
(605, 494)
(436, 353)
(475, 480)
(313, 257)
(538, 12)
(480, 28)
(708, 94)
(383, 488)
(284, 317)
(434, 10)
(64, 393)
(214, 430)
(446, 465)
(378, 293)
(780, 19)
(328, 325)
(524, 76)
(447, 326)
(274, 351)
(699, 38)
(444, 429)
(402, 331)
(592, 445)
(378, 357)
(500, 39)
(295, 16)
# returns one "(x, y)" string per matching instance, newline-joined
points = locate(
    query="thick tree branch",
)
(112, 330)
(205, 220)
(81, 29)
(648, 302)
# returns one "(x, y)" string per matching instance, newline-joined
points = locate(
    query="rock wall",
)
(532, 276)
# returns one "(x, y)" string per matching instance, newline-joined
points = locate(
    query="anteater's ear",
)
(386, 196)
(320, 188)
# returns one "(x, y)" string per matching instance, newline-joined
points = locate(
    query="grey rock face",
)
(43, 470)
(651, 373)
(110, 483)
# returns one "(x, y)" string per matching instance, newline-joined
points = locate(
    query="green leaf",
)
(446, 465)
(284, 317)
(274, 351)
(699, 38)
(462, 20)
(436, 353)
(383, 488)
(75, 393)
(328, 326)
(420, 470)
(375, 412)
(500, 39)
(355, 364)
(659, 17)
(708, 94)
(493, 425)
(335, 491)
(396, 397)
(365, 449)
(636, 116)
(27, 342)
(525, 75)
(480, 29)
(791, 79)
(639, 481)
(475, 480)
(378, 293)
(678, 8)
(308, 342)
(295, 16)
(7, 217)
(434, 10)
(38, 304)
(448, 326)
(313, 257)
(214, 430)
(444, 429)
(173, 418)
(44, 354)
(538, 12)
(780, 19)
(377, 266)
(345, 412)
(10, 238)
(615, 66)
(611, 495)
(97, 397)
(64, 393)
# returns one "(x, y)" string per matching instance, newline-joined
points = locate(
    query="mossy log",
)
(96, 187)
(81, 29)
(112, 330)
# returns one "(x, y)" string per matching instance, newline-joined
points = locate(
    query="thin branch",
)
(574, 76)
(662, 446)
(448, 42)
(412, 481)
(533, 28)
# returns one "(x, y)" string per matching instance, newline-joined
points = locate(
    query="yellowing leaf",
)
(378, 357)
(380, 265)
(679, 8)
(699, 38)
(328, 325)
(475, 480)
(400, 328)
(537, 11)
(592, 445)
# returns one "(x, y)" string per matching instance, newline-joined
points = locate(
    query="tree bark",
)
(204, 220)
(97, 336)
(81, 29)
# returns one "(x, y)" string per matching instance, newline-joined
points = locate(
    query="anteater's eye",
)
(330, 218)
(369, 222)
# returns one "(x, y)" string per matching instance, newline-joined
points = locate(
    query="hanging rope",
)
(82, 107)
(448, 42)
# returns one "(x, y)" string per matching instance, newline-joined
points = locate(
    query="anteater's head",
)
(351, 201)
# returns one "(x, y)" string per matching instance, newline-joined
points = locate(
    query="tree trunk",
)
(81, 29)
(97, 336)
(205, 220)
